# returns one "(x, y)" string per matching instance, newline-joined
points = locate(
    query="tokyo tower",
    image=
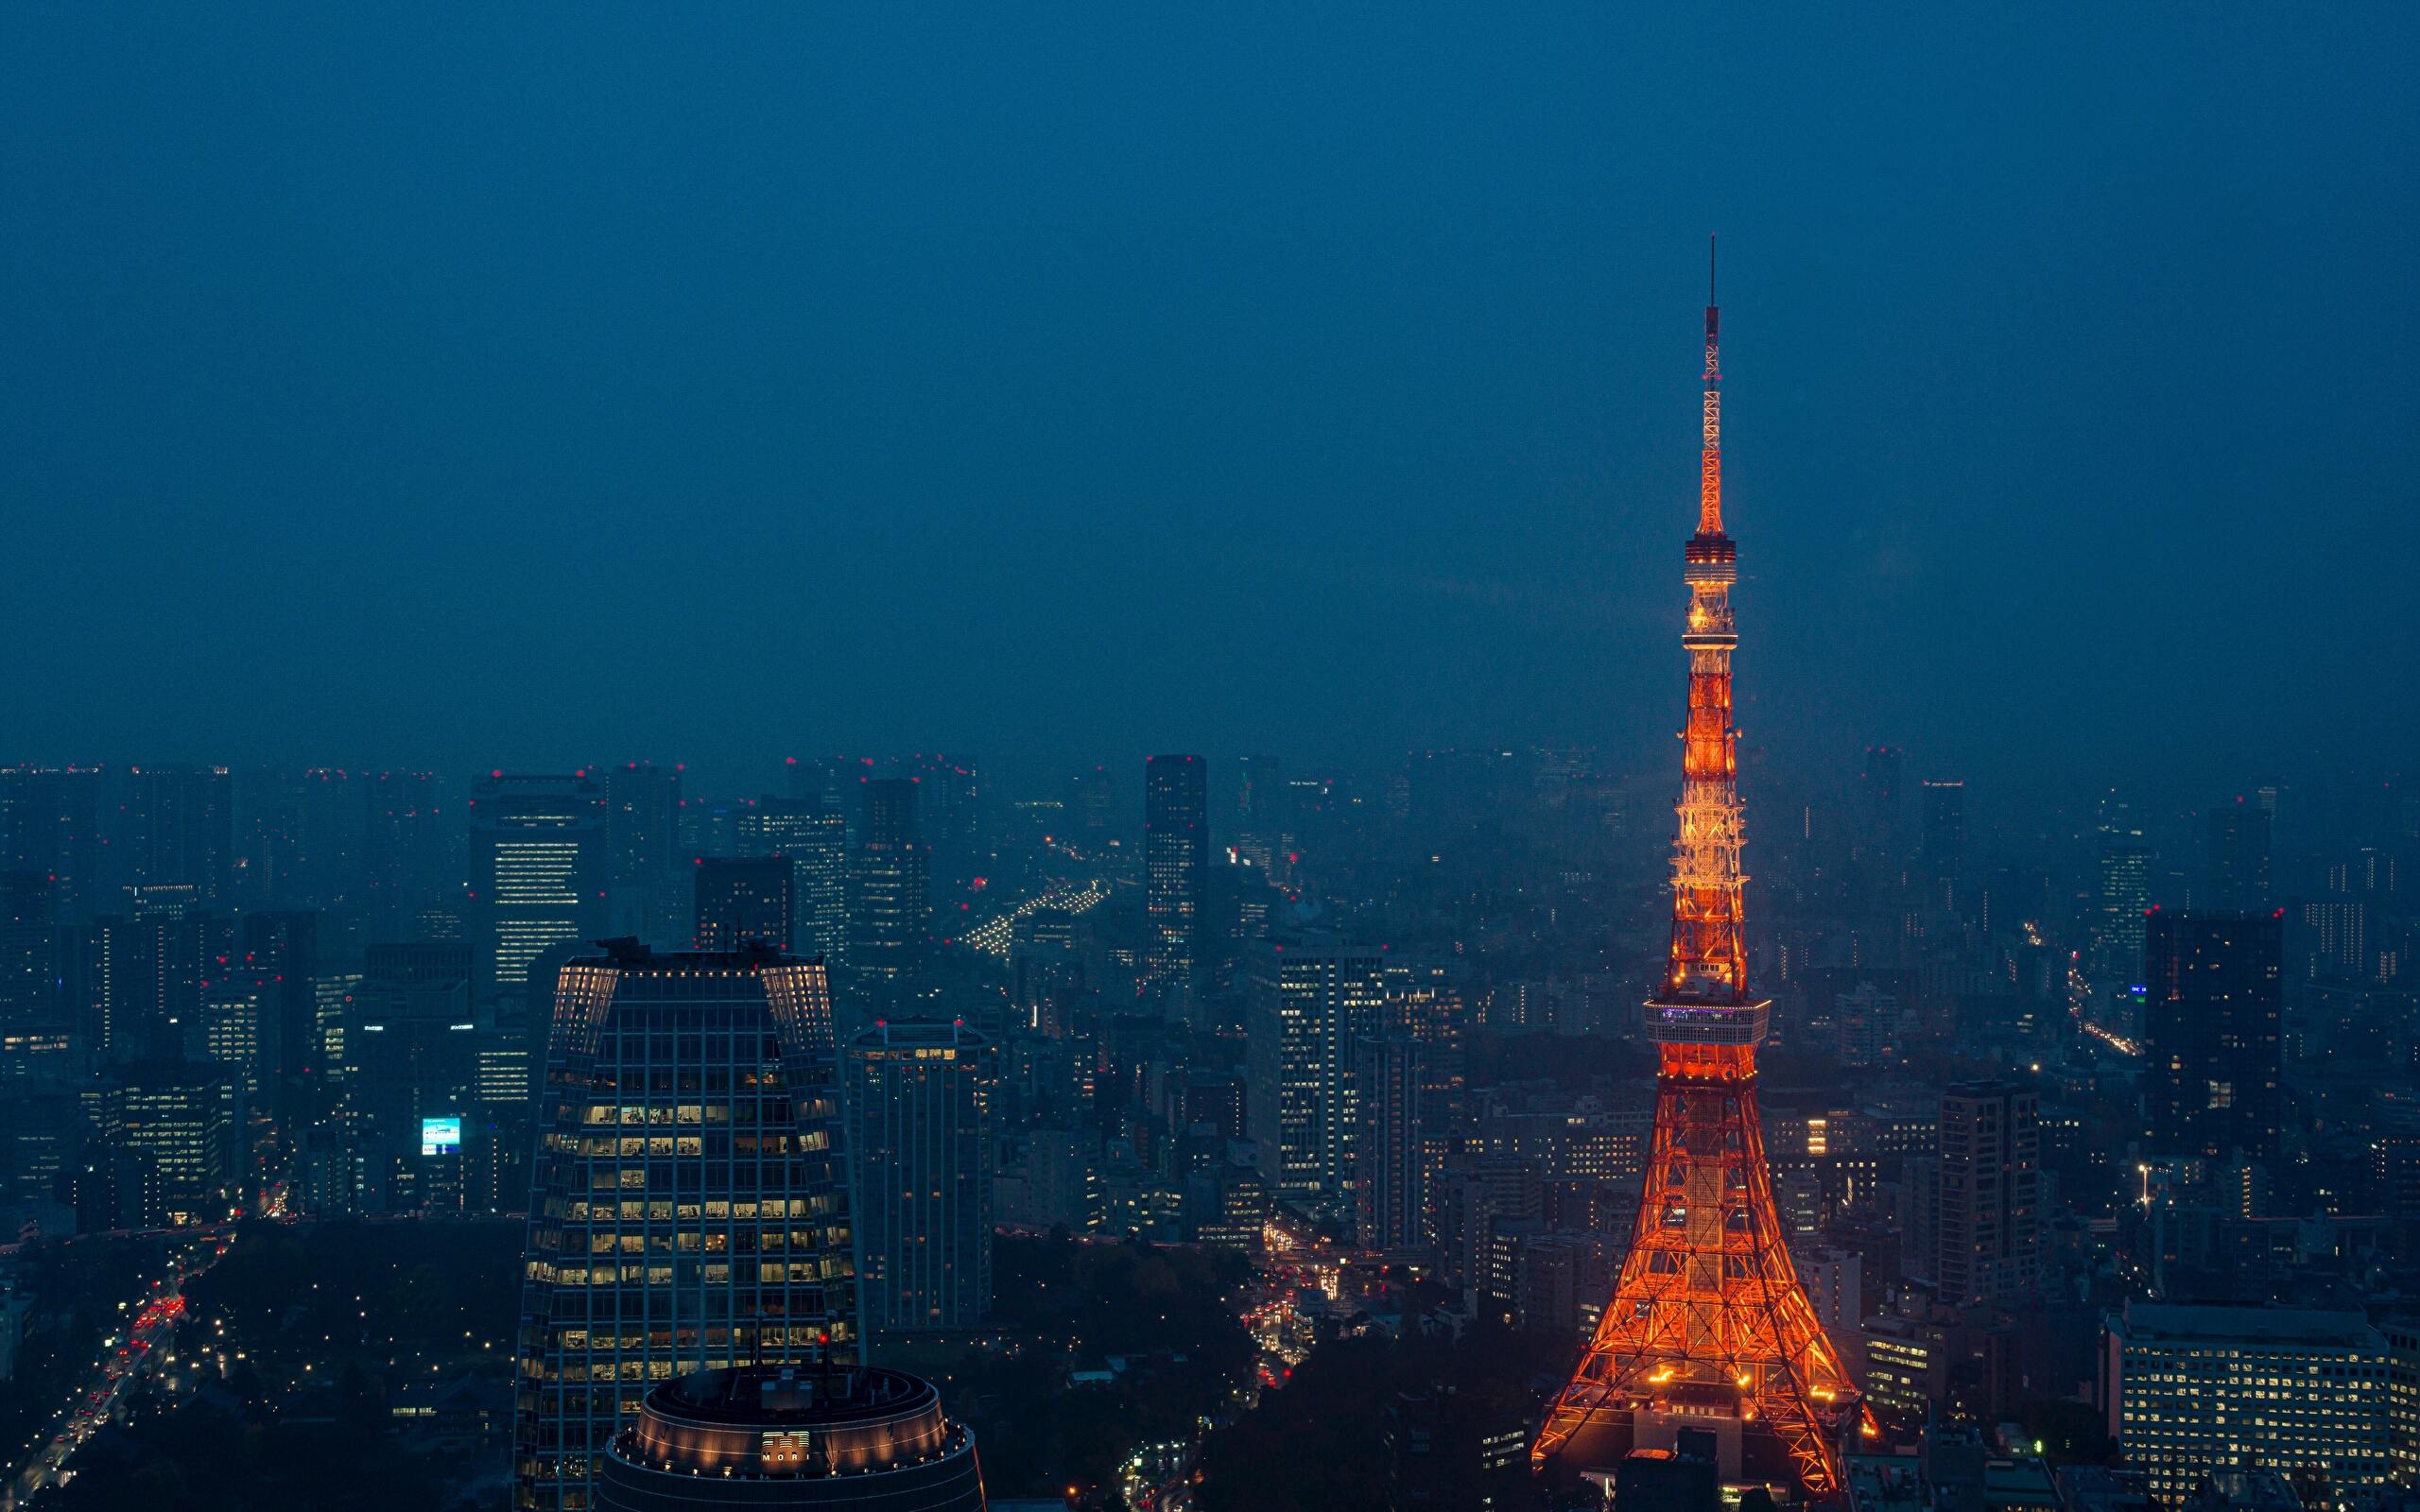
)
(1708, 1326)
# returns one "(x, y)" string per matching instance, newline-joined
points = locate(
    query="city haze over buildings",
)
(403, 389)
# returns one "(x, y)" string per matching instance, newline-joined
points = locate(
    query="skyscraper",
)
(2213, 1055)
(1391, 1190)
(1945, 841)
(237, 1007)
(538, 873)
(147, 975)
(1263, 815)
(411, 1053)
(50, 824)
(1989, 1221)
(743, 898)
(28, 951)
(643, 856)
(282, 947)
(688, 1208)
(1880, 781)
(2122, 892)
(1312, 998)
(178, 824)
(408, 834)
(1708, 1324)
(889, 903)
(814, 836)
(2238, 858)
(919, 1105)
(949, 817)
(183, 1122)
(1176, 860)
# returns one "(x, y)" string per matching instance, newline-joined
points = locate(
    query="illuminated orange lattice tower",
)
(1708, 1325)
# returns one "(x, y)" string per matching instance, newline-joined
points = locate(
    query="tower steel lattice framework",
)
(1708, 1319)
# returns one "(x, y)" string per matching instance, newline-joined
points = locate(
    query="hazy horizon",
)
(481, 390)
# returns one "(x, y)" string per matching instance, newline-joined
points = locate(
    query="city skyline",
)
(739, 748)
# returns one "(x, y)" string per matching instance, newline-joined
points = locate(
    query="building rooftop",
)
(629, 954)
(2281, 1325)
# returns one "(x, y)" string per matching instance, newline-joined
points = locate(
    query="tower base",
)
(1744, 1453)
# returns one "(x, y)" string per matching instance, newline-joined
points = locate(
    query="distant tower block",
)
(1709, 1328)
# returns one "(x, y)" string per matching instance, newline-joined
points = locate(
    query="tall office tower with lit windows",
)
(538, 873)
(1988, 1221)
(147, 974)
(2238, 858)
(740, 899)
(177, 824)
(689, 1202)
(1311, 999)
(814, 836)
(2213, 1054)
(890, 898)
(919, 1104)
(1175, 862)
(239, 1006)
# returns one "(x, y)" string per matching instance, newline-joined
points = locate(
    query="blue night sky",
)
(382, 385)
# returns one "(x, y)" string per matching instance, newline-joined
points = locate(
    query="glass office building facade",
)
(689, 1205)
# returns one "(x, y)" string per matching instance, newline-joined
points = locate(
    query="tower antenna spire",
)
(1710, 454)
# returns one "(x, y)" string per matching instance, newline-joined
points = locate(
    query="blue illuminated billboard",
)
(440, 1136)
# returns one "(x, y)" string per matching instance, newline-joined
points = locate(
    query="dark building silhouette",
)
(2213, 1054)
(688, 1208)
(1988, 1206)
(890, 901)
(411, 1047)
(1451, 1454)
(178, 825)
(743, 898)
(1943, 839)
(281, 946)
(1667, 1480)
(50, 824)
(1880, 781)
(1176, 862)
(28, 952)
(643, 854)
(1263, 815)
(919, 1101)
(2239, 853)
(1392, 1158)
